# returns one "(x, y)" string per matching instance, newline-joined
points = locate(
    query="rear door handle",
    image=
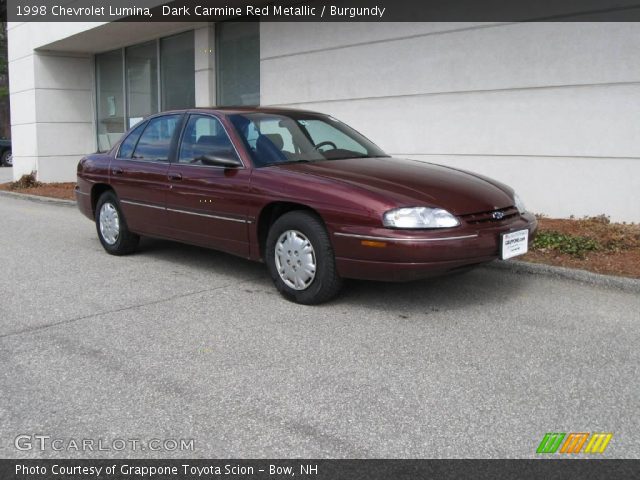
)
(117, 171)
(175, 176)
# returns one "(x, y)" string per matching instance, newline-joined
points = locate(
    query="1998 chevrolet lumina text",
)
(303, 192)
(75, 11)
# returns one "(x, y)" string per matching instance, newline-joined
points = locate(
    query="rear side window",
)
(129, 143)
(155, 141)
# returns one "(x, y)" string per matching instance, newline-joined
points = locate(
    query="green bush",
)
(571, 245)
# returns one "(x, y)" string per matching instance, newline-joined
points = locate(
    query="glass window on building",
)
(238, 63)
(142, 81)
(110, 106)
(177, 67)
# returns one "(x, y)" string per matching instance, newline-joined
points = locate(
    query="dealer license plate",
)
(513, 244)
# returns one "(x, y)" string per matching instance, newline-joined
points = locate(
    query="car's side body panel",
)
(141, 187)
(208, 206)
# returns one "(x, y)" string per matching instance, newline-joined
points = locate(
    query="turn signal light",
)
(371, 243)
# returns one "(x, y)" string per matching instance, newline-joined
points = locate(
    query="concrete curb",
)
(631, 285)
(38, 198)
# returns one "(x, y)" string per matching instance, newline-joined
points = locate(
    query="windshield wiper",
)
(352, 156)
(288, 162)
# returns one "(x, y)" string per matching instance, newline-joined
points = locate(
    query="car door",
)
(207, 204)
(138, 174)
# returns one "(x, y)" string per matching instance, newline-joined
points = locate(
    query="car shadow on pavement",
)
(476, 287)
(200, 258)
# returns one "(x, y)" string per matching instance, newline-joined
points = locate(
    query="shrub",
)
(26, 181)
(573, 245)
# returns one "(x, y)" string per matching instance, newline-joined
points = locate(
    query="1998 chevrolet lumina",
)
(301, 191)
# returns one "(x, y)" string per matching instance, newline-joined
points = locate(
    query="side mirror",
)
(216, 161)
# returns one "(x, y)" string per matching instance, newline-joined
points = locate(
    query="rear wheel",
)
(111, 225)
(6, 159)
(300, 259)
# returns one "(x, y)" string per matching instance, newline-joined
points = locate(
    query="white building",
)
(551, 109)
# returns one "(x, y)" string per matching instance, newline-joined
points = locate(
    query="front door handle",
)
(175, 176)
(117, 171)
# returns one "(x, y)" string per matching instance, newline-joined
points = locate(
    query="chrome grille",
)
(491, 216)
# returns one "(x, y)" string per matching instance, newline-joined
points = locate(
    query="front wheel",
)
(300, 259)
(111, 225)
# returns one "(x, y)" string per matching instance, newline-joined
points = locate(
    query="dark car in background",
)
(303, 192)
(6, 159)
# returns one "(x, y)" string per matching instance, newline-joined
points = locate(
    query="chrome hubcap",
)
(295, 260)
(109, 223)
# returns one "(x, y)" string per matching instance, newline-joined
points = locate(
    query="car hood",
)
(414, 183)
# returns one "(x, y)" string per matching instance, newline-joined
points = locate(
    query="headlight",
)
(519, 203)
(419, 217)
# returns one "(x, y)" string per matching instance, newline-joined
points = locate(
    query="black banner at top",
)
(323, 10)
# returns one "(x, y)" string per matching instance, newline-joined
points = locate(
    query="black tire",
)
(326, 283)
(125, 242)
(6, 159)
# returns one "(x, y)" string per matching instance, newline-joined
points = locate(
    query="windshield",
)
(300, 137)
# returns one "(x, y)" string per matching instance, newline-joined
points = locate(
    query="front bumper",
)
(401, 255)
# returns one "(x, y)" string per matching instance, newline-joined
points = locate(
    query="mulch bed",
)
(613, 248)
(54, 190)
(593, 244)
(624, 264)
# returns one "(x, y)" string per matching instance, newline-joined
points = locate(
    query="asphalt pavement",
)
(182, 343)
(6, 174)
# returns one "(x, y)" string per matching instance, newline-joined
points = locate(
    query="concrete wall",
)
(549, 108)
(205, 66)
(52, 113)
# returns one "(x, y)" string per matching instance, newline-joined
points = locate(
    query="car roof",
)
(229, 110)
(245, 109)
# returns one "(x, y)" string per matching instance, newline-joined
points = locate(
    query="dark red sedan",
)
(301, 191)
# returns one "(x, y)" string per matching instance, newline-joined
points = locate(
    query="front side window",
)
(155, 141)
(300, 137)
(129, 143)
(205, 138)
